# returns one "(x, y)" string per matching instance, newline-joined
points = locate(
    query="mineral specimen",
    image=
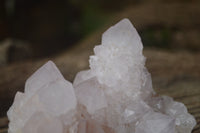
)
(114, 96)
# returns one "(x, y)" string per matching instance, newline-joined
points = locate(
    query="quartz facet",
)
(114, 96)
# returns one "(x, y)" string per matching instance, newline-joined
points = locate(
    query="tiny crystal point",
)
(114, 96)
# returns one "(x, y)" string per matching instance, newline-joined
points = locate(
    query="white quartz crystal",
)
(47, 100)
(114, 96)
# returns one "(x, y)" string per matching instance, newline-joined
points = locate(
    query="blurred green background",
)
(49, 25)
(31, 29)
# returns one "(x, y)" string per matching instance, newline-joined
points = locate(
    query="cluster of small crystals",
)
(114, 96)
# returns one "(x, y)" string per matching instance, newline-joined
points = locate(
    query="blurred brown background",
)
(65, 31)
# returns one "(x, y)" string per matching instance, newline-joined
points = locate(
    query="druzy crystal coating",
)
(114, 96)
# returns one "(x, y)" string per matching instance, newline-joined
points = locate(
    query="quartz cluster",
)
(114, 96)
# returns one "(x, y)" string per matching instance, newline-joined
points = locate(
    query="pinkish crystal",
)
(114, 96)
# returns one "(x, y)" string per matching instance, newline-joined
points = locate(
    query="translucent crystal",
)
(50, 97)
(39, 123)
(46, 74)
(88, 91)
(154, 122)
(114, 96)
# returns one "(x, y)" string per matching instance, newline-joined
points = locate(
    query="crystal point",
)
(114, 96)
(47, 97)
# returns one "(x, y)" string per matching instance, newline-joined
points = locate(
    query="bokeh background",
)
(40, 28)
(65, 31)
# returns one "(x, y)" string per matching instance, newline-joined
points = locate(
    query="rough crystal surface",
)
(47, 98)
(114, 96)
